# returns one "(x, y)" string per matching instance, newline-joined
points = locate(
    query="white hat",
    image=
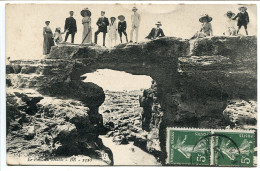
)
(159, 23)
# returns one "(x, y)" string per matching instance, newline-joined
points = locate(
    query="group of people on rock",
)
(243, 20)
(113, 28)
(104, 26)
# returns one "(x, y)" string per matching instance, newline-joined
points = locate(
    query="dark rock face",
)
(57, 127)
(196, 79)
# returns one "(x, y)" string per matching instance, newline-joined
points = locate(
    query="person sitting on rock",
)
(156, 32)
(243, 19)
(206, 28)
(230, 25)
(58, 35)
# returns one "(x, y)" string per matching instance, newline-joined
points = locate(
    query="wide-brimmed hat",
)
(230, 13)
(112, 18)
(206, 16)
(47, 22)
(242, 7)
(103, 11)
(158, 23)
(85, 10)
(134, 8)
(121, 17)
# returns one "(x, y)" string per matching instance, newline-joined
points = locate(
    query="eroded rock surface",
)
(46, 126)
(241, 114)
(196, 79)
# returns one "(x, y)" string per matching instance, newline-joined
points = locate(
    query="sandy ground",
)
(129, 154)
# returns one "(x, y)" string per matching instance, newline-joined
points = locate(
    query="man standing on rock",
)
(102, 24)
(70, 27)
(135, 18)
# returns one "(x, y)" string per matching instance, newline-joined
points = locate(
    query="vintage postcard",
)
(131, 84)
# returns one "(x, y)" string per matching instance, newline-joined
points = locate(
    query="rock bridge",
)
(196, 79)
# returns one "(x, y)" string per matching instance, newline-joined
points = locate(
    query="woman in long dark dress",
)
(48, 38)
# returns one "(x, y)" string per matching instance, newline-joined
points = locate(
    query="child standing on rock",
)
(243, 18)
(122, 27)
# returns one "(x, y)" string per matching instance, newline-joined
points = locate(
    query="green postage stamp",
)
(210, 147)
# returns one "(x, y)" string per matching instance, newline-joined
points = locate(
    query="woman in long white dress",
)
(112, 34)
(86, 21)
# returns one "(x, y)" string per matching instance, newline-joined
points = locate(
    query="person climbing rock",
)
(97, 120)
(146, 101)
(157, 114)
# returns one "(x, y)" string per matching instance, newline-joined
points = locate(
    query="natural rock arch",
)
(195, 78)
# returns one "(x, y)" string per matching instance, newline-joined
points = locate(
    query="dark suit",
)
(102, 24)
(71, 27)
(153, 33)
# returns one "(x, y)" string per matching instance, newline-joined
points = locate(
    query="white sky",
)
(118, 81)
(24, 22)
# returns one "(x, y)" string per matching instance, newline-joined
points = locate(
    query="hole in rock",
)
(122, 114)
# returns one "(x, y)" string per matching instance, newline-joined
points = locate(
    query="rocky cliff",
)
(201, 83)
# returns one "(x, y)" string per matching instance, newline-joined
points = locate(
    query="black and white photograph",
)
(131, 84)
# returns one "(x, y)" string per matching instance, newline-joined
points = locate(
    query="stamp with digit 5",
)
(210, 147)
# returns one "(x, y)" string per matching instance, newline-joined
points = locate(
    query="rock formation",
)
(197, 80)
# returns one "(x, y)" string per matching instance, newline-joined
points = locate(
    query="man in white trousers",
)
(135, 18)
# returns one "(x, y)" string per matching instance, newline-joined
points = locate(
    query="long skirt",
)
(47, 43)
(87, 33)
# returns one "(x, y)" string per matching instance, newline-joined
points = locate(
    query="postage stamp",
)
(210, 147)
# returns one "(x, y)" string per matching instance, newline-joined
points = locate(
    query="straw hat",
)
(134, 9)
(158, 23)
(85, 10)
(205, 16)
(230, 13)
(121, 17)
(240, 8)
